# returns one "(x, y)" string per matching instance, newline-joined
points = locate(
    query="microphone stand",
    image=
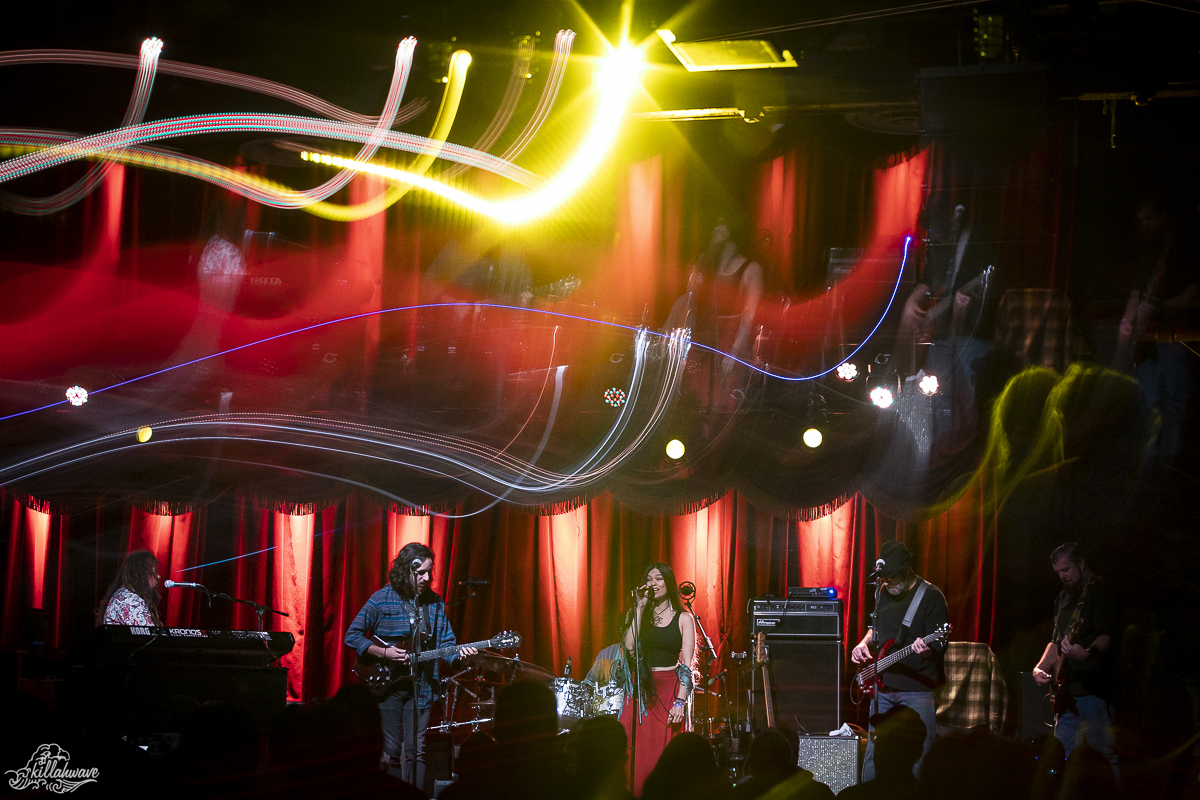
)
(415, 656)
(878, 685)
(259, 608)
(708, 651)
(635, 722)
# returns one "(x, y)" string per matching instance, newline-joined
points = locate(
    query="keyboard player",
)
(132, 598)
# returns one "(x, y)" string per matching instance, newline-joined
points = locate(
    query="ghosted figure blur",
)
(686, 770)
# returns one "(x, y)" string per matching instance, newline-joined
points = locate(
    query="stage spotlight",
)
(882, 396)
(615, 397)
(144, 434)
(675, 449)
(813, 438)
(847, 371)
(928, 385)
(77, 395)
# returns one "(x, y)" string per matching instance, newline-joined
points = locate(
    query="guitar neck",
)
(446, 652)
(905, 652)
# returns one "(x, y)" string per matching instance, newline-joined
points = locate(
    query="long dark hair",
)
(647, 619)
(134, 574)
(400, 575)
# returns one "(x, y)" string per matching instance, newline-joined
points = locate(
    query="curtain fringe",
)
(295, 508)
(39, 505)
(165, 508)
(426, 510)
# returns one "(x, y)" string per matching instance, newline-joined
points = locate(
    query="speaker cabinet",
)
(806, 684)
(833, 760)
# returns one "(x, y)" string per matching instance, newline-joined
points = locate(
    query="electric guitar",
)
(1061, 699)
(380, 674)
(867, 681)
(762, 657)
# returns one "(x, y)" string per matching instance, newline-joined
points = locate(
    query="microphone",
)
(170, 584)
(643, 590)
(475, 582)
(716, 677)
(416, 563)
(879, 565)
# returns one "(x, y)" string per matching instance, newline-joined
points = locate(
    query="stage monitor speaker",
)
(833, 760)
(806, 683)
(1037, 714)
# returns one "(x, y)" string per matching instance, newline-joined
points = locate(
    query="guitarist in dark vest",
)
(911, 680)
(388, 617)
(1080, 662)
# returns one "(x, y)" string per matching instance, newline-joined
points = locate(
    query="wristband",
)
(678, 703)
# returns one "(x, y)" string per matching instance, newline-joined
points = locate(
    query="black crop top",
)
(662, 646)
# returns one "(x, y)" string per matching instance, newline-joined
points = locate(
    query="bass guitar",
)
(380, 674)
(867, 681)
(1061, 699)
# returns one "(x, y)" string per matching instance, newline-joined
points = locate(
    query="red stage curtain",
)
(178, 544)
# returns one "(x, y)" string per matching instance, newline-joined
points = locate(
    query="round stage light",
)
(928, 385)
(615, 397)
(675, 449)
(77, 395)
(847, 371)
(812, 438)
(144, 434)
(882, 396)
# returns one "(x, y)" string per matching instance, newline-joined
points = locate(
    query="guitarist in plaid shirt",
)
(1087, 623)
(388, 615)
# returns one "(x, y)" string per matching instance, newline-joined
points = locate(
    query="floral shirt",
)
(128, 608)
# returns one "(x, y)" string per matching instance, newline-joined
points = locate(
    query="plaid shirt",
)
(974, 692)
(1035, 326)
(389, 616)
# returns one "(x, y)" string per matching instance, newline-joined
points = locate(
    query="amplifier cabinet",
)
(833, 760)
(808, 619)
(806, 684)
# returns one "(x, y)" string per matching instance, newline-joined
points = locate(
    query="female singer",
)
(132, 598)
(660, 640)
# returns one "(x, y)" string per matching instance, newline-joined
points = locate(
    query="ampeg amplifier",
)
(804, 619)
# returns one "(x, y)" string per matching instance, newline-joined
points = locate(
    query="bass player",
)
(1082, 654)
(911, 680)
(388, 616)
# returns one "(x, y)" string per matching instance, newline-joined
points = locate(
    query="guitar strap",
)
(911, 614)
(1076, 613)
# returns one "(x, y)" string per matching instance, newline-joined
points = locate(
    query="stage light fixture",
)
(882, 397)
(77, 395)
(615, 397)
(675, 449)
(928, 385)
(847, 371)
(813, 438)
(144, 434)
(726, 55)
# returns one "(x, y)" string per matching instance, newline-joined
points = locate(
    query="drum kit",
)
(469, 695)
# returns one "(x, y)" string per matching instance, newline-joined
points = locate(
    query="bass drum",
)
(609, 698)
(574, 701)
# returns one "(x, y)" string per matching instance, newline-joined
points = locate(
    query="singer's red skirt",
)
(654, 731)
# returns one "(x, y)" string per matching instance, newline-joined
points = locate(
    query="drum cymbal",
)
(511, 668)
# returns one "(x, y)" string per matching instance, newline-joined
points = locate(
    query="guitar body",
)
(868, 681)
(381, 675)
(1061, 699)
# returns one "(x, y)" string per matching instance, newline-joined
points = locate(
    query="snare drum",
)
(574, 700)
(609, 698)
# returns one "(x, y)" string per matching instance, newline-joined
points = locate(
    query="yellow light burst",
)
(616, 80)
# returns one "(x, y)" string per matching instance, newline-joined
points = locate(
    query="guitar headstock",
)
(505, 640)
(761, 650)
